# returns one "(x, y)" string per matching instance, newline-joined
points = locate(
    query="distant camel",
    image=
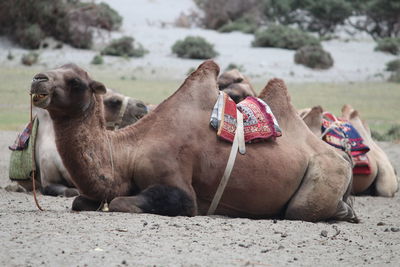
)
(171, 162)
(54, 178)
(382, 180)
(236, 85)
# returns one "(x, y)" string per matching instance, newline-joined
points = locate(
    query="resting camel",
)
(54, 177)
(236, 85)
(170, 162)
(382, 180)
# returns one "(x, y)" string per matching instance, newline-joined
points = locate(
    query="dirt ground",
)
(59, 237)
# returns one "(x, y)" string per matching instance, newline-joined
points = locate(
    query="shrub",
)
(378, 136)
(232, 66)
(30, 58)
(220, 12)
(10, 56)
(314, 57)
(395, 77)
(283, 37)
(326, 15)
(379, 18)
(244, 24)
(394, 133)
(97, 60)
(124, 47)
(29, 37)
(393, 65)
(72, 22)
(194, 47)
(390, 45)
(107, 18)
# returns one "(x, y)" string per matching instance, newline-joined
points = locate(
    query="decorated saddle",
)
(340, 133)
(258, 121)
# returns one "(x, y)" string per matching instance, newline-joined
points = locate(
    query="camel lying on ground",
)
(382, 180)
(236, 85)
(171, 161)
(54, 177)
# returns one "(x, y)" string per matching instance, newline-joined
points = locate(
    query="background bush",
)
(27, 22)
(30, 58)
(220, 12)
(393, 65)
(378, 18)
(97, 60)
(194, 47)
(124, 47)
(314, 57)
(283, 37)
(244, 24)
(389, 45)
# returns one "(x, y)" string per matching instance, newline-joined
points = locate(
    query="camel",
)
(236, 85)
(382, 180)
(118, 115)
(54, 177)
(170, 162)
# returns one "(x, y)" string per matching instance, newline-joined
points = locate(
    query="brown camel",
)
(382, 180)
(119, 114)
(236, 85)
(54, 178)
(171, 162)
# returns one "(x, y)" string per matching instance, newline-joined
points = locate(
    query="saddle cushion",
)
(258, 120)
(338, 130)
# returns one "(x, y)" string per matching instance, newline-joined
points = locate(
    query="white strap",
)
(230, 164)
(121, 112)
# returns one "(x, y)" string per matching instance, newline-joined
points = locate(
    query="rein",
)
(116, 124)
(34, 165)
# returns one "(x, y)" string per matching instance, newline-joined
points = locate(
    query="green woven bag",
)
(21, 161)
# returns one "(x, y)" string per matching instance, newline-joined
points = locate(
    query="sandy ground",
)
(59, 237)
(151, 23)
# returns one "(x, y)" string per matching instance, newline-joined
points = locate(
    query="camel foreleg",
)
(82, 203)
(157, 199)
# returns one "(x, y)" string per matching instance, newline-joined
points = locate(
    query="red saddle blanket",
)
(258, 121)
(339, 129)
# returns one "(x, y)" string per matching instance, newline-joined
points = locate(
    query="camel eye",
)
(76, 83)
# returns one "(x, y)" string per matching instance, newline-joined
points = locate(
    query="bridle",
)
(115, 125)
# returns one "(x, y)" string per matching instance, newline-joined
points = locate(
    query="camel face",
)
(236, 85)
(65, 90)
(113, 103)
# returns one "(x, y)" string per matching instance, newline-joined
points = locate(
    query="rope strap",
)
(238, 143)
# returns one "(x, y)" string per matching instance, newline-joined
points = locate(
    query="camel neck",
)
(84, 146)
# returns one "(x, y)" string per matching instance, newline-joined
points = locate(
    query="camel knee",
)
(82, 203)
(157, 199)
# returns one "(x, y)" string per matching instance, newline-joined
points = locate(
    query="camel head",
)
(118, 113)
(65, 90)
(236, 85)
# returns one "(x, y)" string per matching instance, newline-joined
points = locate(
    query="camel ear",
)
(98, 87)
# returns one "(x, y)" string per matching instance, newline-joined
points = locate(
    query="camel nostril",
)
(40, 78)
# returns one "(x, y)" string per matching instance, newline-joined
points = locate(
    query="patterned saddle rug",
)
(259, 122)
(340, 133)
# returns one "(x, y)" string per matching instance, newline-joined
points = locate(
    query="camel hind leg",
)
(323, 193)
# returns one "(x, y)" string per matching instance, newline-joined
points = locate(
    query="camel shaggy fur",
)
(54, 177)
(382, 180)
(236, 85)
(171, 162)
